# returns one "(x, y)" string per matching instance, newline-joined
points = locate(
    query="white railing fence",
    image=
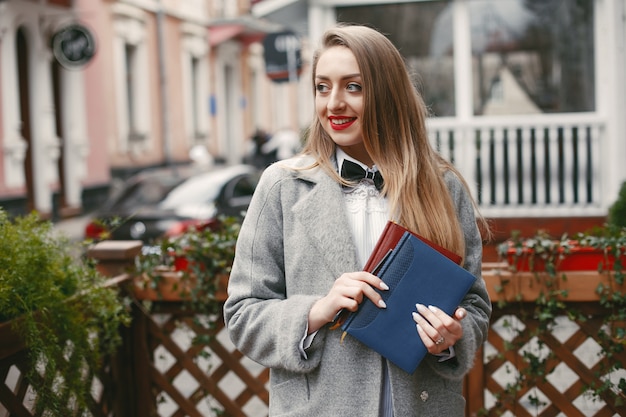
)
(528, 166)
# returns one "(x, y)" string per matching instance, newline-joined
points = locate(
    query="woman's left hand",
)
(438, 330)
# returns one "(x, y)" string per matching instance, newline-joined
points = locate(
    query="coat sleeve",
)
(262, 322)
(476, 302)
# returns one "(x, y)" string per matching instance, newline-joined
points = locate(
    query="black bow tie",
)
(354, 172)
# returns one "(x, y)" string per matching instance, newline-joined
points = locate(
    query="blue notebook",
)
(415, 273)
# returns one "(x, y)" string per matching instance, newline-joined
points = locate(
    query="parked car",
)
(168, 201)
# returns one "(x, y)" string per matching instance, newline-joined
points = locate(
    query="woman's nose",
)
(336, 100)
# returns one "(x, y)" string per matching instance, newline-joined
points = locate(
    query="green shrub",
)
(58, 304)
(617, 212)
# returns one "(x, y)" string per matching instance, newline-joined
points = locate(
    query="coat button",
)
(424, 396)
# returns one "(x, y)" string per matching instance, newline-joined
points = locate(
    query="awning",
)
(242, 30)
(219, 34)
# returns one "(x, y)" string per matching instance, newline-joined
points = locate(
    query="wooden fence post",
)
(114, 259)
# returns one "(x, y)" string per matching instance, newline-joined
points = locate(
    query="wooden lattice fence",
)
(195, 371)
(170, 366)
(16, 392)
(561, 365)
(573, 365)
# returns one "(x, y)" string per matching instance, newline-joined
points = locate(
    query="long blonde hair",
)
(395, 137)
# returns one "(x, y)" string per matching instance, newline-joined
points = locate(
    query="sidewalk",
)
(73, 228)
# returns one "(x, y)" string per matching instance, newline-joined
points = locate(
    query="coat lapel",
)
(323, 214)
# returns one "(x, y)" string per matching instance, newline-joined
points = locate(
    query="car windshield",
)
(147, 191)
(202, 188)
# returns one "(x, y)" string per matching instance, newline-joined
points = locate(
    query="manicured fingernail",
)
(382, 304)
(462, 314)
(416, 317)
(420, 306)
(383, 286)
(433, 309)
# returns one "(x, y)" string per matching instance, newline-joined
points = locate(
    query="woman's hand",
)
(348, 291)
(438, 330)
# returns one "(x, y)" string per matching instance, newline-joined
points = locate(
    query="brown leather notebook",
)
(389, 238)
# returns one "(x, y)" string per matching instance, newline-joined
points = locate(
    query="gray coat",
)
(294, 242)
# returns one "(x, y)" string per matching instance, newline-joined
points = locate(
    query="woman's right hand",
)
(347, 293)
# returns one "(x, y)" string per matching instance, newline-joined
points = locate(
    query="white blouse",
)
(368, 211)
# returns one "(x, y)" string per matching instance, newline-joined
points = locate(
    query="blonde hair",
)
(395, 137)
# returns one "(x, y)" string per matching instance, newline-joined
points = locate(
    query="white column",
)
(13, 144)
(229, 111)
(463, 90)
(320, 19)
(282, 105)
(142, 98)
(121, 94)
(76, 145)
(45, 144)
(610, 61)
(195, 46)
(463, 83)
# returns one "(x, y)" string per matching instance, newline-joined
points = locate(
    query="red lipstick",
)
(346, 122)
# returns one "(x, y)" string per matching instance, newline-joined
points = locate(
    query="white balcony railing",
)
(528, 166)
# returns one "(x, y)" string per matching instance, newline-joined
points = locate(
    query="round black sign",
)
(277, 50)
(73, 46)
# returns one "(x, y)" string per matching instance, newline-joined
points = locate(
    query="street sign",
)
(73, 46)
(282, 53)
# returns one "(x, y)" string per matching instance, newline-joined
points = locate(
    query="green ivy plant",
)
(59, 305)
(542, 253)
(611, 240)
(617, 212)
(202, 258)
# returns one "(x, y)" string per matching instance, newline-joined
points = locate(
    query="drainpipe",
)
(165, 125)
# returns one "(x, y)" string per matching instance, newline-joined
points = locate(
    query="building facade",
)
(92, 91)
(527, 96)
(34, 160)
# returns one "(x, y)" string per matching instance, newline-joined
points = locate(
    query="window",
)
(132, 77)
(194, 55)
(130, 58)
(528, 56)
(225, 9)
(195, 111)
(538, 53)
(411, 27)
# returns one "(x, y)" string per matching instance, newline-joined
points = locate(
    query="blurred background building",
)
(527, 96)
(95, 90)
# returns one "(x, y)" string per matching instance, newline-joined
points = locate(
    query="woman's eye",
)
(354, 87)
(322, 88)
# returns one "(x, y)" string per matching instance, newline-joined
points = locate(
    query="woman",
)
(308, 233)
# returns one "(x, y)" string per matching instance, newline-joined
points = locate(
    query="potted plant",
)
(55, 306)
(191, 267)
(585, 251)
(596, 249)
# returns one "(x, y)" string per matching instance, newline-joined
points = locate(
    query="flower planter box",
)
(526, 286)
(575, 258)
(172, 285)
